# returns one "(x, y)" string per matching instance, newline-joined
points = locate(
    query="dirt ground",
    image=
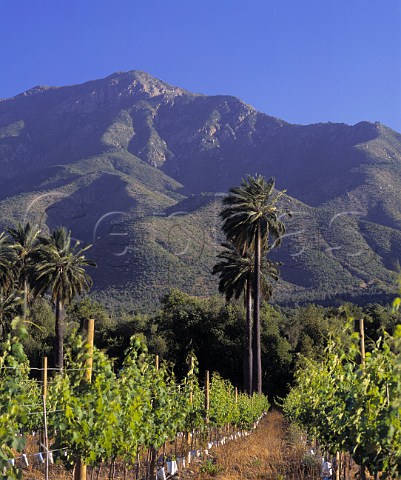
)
(274, 451)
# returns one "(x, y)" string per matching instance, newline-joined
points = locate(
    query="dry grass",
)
(272, 452)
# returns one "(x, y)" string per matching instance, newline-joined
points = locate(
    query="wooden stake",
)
(207, 395)
(80, 467)
(44, 376)
(191, 393)
(236, 395)
(338, 465)
(153, 450)
(90, 336)
(362, 334)
(363, 358)
(191, 396)
(45, 435)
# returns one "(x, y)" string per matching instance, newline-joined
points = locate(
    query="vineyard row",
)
(91, 414)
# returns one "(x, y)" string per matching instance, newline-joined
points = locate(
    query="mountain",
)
(138, 167)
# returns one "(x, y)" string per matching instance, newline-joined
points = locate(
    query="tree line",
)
(213, 329)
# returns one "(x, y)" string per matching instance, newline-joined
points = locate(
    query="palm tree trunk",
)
(59, 354)
(256, 316)
(249, 362)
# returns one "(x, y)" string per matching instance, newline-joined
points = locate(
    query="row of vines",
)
(120, 416)
(353, 404)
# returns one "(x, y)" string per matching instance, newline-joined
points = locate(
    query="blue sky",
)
(304, 61)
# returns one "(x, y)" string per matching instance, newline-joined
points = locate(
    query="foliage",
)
(10, 305)
(158, 405)
(215, 332)
(278, 358)
(58, 266)
(212, 330)
(222, 401)
(40, 331)
(16, 391)
(25, 242)
(353, 407)
(31, 266)
(210, 467)
(140, 407)
(251, 212)
(90, 410)
(7, 262)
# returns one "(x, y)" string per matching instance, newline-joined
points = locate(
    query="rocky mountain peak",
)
(136, 82)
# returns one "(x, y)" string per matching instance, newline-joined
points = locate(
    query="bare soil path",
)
(274, 451)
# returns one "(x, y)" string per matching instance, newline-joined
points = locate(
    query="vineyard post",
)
(90, 340)
(362, 333)
(363, 357)
(89, 325)
(45, 435)
(338, 465)
(207, 395)
(44, 376)
(153, 450)
(191, 393)
(157, 362)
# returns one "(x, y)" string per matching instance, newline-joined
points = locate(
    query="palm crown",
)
(236, 269)
(251, 211)
(61, 267)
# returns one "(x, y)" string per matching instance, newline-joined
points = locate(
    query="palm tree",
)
(60, 269)
(236, 271)
(250, 219)
(25, 242)
(7, 263)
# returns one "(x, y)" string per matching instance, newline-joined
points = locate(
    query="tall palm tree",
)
(25, 242)
(60, 269)
(7, 263)
(236, 271)
(251, 219)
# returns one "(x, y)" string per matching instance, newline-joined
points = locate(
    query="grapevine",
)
(352, 407)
